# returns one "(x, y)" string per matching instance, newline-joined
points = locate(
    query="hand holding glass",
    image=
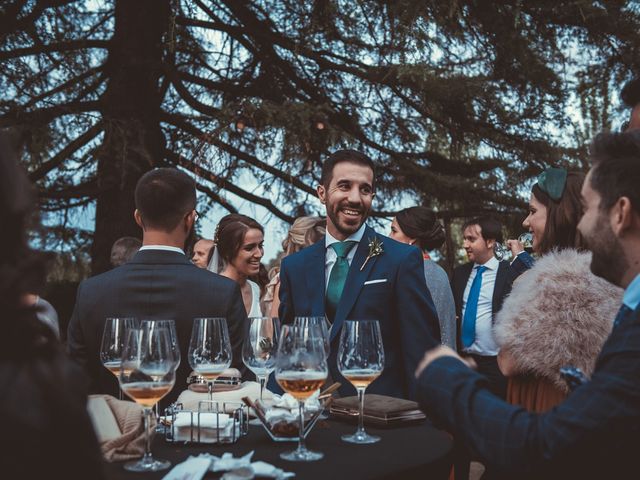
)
(301, 369)
(147, 374)
(260, 348)
(361, 361)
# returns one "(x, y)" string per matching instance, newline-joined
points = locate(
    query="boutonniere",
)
(375, 249)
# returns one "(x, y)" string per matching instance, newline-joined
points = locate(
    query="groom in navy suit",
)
(355, 273)
(594, 433)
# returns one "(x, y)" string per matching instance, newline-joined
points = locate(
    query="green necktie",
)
(337, 277)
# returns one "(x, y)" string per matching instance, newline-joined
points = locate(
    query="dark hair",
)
(421, 223)
(352, 156)
(164, 196)
(123, 250)
(631, 93)
(616, 168)
(561, 227)
(490, 228)
(230, 234)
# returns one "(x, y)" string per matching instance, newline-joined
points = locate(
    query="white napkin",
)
(194, 468)
(186, 427)
(285, 408)
(207, 420)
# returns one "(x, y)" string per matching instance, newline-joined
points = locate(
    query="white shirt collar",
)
(166, 248)
(355, 237)
(491, 264)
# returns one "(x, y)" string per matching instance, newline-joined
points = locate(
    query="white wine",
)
(210, 371)
(361, 377)
(301, 385)
(113, 366)
(146, 394)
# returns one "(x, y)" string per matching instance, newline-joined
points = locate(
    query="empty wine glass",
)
(301, 369)
(173, 337)
(361, 361)
(147, 374)
(260, 348)
(209, 349)
(499, 251)
(113, 340)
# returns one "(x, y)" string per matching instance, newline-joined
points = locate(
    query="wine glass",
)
(361, 361)
(499, 251)
(260, 348)
(526, 239)
(321, 323)
(209, 349)
(301, 369)
(113, 340)
(173, 337)
(147, 374)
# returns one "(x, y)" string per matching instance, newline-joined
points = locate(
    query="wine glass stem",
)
(361, 415)
(146, 415)
(301, 447)
(210, 390)
(262, 380)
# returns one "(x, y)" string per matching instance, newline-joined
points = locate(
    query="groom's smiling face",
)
(347, 197)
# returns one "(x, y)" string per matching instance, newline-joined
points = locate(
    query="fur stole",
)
(558, 313)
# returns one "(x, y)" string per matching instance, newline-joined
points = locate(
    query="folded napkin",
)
(190, 400)
(285, 408)
(213, 427)
(119, 427)
(194, 467)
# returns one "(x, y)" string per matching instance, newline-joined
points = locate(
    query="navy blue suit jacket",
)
(594, 433)
(401, 303)
(155, 284)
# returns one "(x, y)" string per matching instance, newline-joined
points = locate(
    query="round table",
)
(407, 452)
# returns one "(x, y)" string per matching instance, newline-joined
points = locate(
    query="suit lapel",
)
(314, 277)
(498, 289)
(355, 281)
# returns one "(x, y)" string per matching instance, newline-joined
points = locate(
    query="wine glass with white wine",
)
(301, 369)
(209, 349)
(260, 348)
(147, 374)
(361, 361)
(113, 340)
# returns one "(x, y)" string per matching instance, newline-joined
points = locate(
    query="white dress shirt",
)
(484, 343)
(331, 255)
(166, 248)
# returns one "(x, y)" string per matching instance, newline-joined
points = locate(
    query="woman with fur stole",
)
(558, 312)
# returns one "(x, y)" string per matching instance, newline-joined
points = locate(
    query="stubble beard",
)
(345, 229)
(608, 260)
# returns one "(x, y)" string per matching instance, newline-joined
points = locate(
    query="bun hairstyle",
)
(421, 223)
(304, 231)
(230, 234)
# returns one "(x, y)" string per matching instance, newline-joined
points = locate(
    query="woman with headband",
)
(558, 313)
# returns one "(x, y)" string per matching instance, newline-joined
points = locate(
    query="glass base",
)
(360, 437)
(301, 456)
(151, 465)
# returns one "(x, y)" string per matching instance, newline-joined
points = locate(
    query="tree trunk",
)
(133, 141)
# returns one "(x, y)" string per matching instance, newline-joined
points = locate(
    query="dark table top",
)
(414, 451)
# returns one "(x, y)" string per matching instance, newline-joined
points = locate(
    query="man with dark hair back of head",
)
(631, 97)
(124, 250)
(356, 273)
(158, 283)
(593, 434)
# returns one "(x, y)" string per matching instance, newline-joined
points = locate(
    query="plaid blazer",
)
(594, 433)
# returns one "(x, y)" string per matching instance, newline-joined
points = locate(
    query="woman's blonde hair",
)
(304, 231)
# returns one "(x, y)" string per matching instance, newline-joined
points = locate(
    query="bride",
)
(238, 244)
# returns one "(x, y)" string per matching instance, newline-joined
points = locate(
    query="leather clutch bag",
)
(379, 410)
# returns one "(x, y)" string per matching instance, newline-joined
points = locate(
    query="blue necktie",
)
(471, 309)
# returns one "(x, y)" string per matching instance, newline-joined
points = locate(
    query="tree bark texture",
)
(133, 140)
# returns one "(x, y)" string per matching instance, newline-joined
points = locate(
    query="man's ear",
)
(321, 193)
(138, 218)
(621, 216)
